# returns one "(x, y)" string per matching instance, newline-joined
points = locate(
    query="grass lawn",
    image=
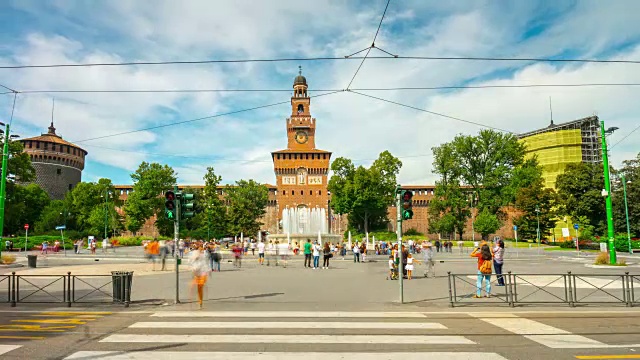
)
(558, 248)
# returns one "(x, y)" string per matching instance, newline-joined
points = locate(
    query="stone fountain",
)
(302, 223)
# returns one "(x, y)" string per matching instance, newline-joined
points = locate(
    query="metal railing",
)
(67, 289)
(542, 289)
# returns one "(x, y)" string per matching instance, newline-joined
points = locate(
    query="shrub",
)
(412, 232)
(7, 259)
(602, 259)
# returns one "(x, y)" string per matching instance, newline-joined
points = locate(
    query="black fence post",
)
(68, 289)
(126, 293)
(12, 282)
(509, 290)
(571, 283)
(450, 290)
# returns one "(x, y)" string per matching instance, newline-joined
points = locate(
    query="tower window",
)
(70, 186)
(284, 192)
(310, 192)
(300, 108)
(53, 147)
(37, 145)
(58, 171)
(46, 146)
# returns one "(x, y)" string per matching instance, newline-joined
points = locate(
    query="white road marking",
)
(292, 314)
(6, 348)
(550, 336)
(286, 325)
(289, 339)
(192, 355)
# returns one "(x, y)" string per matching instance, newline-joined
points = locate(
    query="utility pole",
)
(106, 194)
(399, 236)
(538, 228)
(176, 238)
(607, 194)
(626, 211)
(3, 181)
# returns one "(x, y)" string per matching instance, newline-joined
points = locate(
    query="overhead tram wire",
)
(325, 58)
(196, 119)
(453, 87)
(433, 112)
(373, 44)
(625, 137)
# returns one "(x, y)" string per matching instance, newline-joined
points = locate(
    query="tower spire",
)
(52, 129)
(299, 69)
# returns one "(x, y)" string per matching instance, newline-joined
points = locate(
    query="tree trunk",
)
(366, 222)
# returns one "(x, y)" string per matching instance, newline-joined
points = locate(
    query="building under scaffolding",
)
(558, 145)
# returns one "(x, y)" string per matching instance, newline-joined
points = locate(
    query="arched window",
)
(300, 108)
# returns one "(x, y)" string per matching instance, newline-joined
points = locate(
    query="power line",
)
(431, 112)
(325, 58)
(373, 44)
(453, 87)
(194, 120)
(8, 88)
(625, 137)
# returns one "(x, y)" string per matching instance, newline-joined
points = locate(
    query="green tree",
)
(486, 223)
(631, 171)
(81, 203)
(50, 217)
(24, 204)
(493, 165)
(448, 210)
(528, 200)
(364, 194)
(149, 181)
(579, 192)
(213, 218)
(20, 170)
(247, 203)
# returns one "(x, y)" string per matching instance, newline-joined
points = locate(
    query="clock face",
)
(302, 137)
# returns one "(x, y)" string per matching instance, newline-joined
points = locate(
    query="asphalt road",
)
(183, 333)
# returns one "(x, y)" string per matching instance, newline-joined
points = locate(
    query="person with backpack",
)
(485, 260)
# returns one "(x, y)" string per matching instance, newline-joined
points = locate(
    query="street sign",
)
(61, 227)
(515, 227)
(576, 226)
(26, 226)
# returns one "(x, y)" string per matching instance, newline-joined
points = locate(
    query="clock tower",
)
(301, 170)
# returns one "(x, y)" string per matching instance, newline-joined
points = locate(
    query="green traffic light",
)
(170, 215)
(407, 214)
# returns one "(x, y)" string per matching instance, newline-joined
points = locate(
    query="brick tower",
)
(301, 170)
(58, 163)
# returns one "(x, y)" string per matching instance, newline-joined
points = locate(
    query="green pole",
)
(607, 188)
(106, 193)
(3, 182)
(626, 211)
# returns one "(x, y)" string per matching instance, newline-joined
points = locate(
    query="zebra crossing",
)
(286, 335)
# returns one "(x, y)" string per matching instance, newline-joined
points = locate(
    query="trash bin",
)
(32, 260)
(121, 289)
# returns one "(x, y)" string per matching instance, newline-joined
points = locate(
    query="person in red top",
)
(237, 250)
(485, 258)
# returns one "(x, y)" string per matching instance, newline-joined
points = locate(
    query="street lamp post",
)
(471, 200)
(626, 209)
(607, 194)
(538, 228)
(106, 218)
(64, 216)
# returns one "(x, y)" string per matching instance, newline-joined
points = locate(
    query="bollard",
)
(571, 284)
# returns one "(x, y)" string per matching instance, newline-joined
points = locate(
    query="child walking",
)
(410, 261)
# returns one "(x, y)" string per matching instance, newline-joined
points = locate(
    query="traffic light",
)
(186, 206)
(407, 212)
(170, 205)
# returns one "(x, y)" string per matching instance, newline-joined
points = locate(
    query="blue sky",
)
(238, 146)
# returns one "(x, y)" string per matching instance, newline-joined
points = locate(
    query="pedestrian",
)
(56, 245)
(253, 248)
(438, 245)
(93, 246)
(326, 255)
(483, 253)
(210, 249)
(237, 250)
(498, 260)
(307, 253)
(427, 256)
(283, 250)
(356, 252)
(75, 246)
(198, 264)
(45, 247)
(181, 248)
(261, 252)
(461, 246)
(316, 255)
(363, 251)
(164, 251)
(153, 249)
(105, 243)
(410, 261)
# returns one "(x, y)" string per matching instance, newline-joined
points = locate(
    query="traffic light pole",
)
(607, 188)
(3, 182)
(176, 238)
(399, 236)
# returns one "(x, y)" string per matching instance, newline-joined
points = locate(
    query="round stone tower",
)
(58, 163)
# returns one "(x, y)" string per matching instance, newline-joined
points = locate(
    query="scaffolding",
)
(556, 146)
